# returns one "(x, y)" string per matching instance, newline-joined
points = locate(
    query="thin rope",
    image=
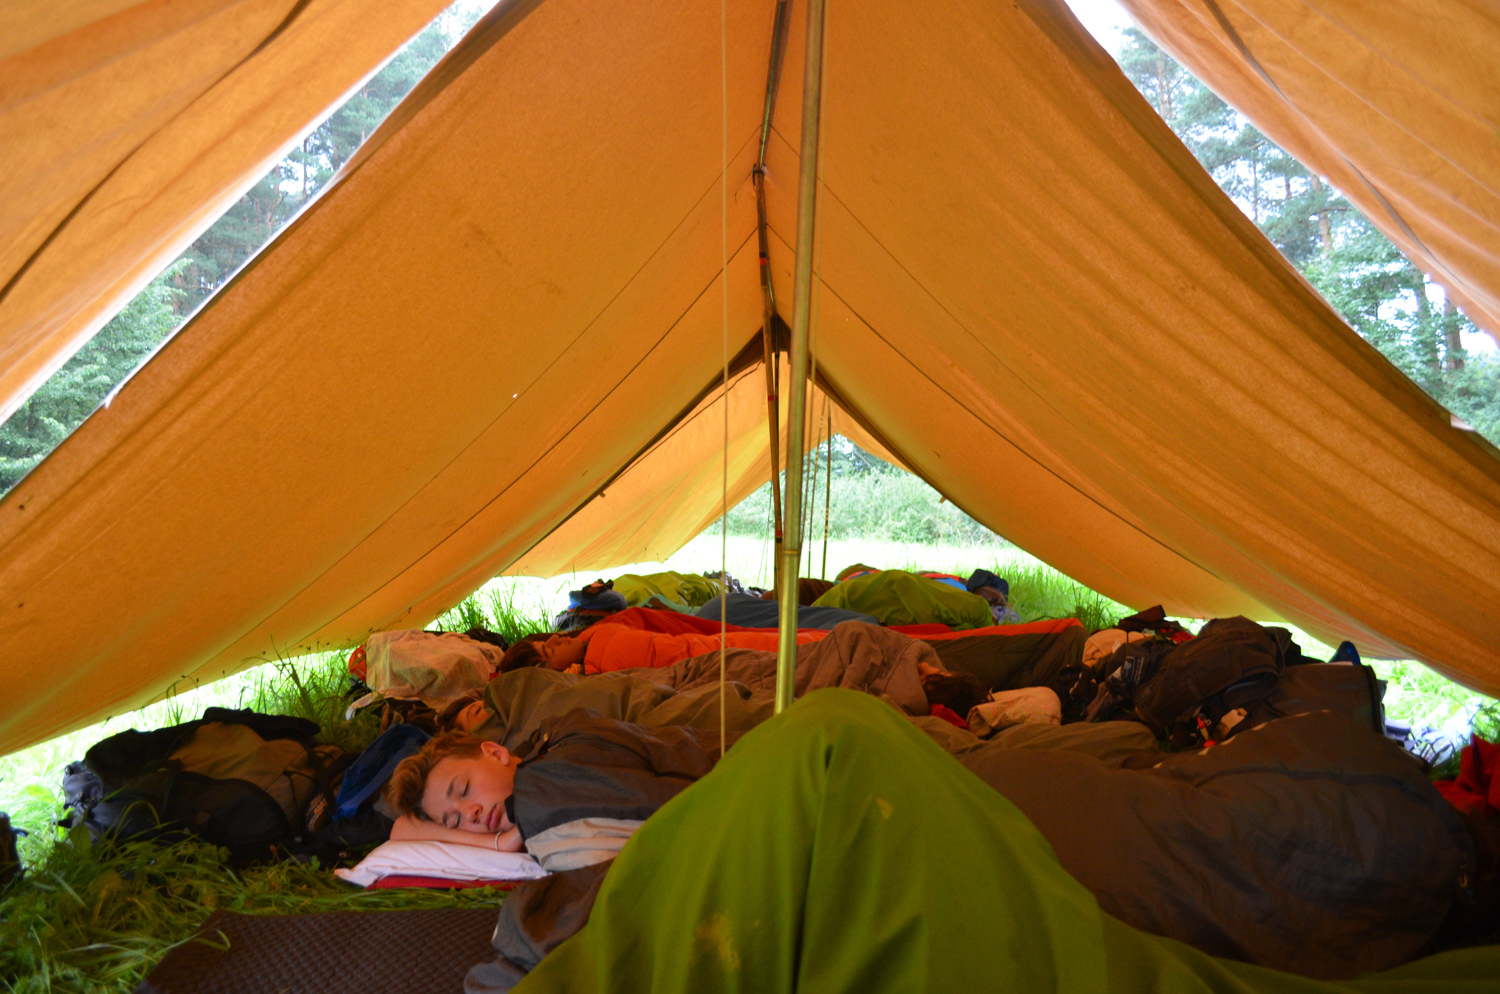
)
(811, 508)
(817, 254)
(828, 481)
(724, 287)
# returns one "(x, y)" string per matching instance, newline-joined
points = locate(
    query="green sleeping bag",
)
(680, 591)
(896, 597)
(835, 848)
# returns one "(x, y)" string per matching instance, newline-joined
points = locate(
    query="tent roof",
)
(129, 127)
(1030, 294)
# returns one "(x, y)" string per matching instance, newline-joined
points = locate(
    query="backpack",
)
(1231, 664)
(1128, 668)
(235, 779)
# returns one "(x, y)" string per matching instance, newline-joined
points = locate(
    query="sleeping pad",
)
(808, 861)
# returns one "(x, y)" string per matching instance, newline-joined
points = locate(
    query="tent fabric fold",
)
(492, 346)
(1398, 103)
(676, 489)
(128, 128)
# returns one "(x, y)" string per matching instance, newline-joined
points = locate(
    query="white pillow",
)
(1027, 706)
(443, 860)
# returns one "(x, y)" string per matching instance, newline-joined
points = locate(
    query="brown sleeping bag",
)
(1308, 844)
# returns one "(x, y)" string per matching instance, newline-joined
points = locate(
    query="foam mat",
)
(411, 952)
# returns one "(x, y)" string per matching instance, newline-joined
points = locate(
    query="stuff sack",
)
(1231, 664)
(236, 779)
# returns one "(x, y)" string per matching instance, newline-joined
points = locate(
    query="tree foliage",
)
(868, 499)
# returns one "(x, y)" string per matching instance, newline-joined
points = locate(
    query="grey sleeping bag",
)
(854, 656)
(1308, 844)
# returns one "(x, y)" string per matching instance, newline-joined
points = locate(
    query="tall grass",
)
(880, 502)
(507, 607)
(1042, 592)
(315, 687)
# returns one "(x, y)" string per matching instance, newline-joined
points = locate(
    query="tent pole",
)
(807, 199)
(767, 292)
(773, 402)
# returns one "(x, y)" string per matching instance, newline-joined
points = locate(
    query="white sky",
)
(1105, 19)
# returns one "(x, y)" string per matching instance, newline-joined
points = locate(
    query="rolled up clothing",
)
(1027, 706)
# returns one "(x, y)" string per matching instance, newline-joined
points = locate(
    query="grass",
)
(507, 607)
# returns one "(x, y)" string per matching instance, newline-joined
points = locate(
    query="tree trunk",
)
(1453, 358)
(1163, 93)
(1255, 189)
(1325, 235)
(1427, 337)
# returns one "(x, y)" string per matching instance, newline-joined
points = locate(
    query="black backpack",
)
(1129, 667)
(1231, 664)
(236, 779)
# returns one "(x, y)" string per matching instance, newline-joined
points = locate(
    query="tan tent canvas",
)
(677, 487)
(1030, 294)
(129, 127)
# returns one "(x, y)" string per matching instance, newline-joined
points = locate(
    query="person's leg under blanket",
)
(1113, 743)
(1008, 662)
(805, 862)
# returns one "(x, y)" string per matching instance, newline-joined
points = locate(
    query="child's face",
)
(561, 652)
(468, 793)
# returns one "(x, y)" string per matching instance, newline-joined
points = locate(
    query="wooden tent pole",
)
(807, 202)
(767, 292)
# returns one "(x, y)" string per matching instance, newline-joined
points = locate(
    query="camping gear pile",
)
(1188, 690)
(641, 736)
(260, 786)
